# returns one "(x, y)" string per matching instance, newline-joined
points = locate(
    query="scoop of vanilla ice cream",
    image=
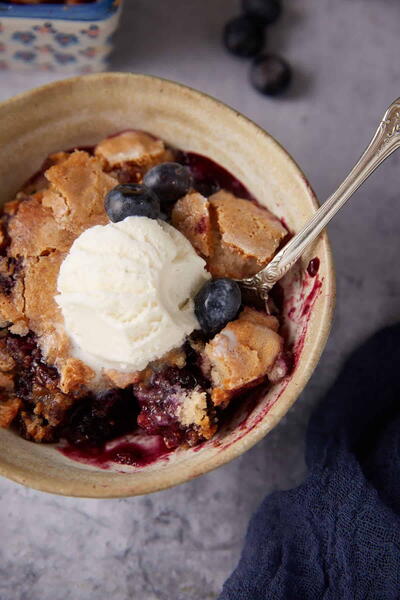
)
(126, 293)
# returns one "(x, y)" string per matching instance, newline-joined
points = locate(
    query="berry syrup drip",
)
(313, 267)
(309, 302)
(210, 177)
(139, 453)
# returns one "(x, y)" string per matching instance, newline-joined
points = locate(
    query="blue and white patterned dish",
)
(54, 37)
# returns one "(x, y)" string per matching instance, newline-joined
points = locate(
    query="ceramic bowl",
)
(82, 111)
(54, 37)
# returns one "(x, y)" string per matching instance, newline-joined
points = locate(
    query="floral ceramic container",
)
(57, 37)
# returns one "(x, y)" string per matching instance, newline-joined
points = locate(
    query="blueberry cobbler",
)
(119, 305)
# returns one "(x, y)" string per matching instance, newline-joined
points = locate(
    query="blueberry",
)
(266, 11)
(131, 200)
(217, 303)
(270, 74)
(206, 188)
(170, 181)
(243, 36)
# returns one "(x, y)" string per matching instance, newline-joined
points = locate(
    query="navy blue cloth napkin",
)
(337, 536)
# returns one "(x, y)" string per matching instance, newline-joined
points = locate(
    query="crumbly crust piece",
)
(236, 237)
(45, 319)
(123, 380)
(9, 407)
(191, 215)
(38, 182)
(33, 428)
(246, 236)
(174, 358)
(11, 292)
(75, 375)
(52, 404)
(41, 229)
(131, 147)
(34, 232)
(193, 412)
(7, 363)
(80, 183)
(248, 228)
(243, 353)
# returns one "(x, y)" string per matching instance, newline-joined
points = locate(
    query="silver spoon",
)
(385, 141)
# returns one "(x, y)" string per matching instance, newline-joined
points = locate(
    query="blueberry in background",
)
(169, 181)
(244, 36)
(217, 303)
(270, 74)
(131, 200)
(266, 11)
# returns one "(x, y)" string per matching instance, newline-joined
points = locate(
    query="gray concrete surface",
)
(182, 543)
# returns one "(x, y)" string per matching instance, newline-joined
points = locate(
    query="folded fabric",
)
(337, 536)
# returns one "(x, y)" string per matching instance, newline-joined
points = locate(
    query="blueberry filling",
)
(152, 406)
(102, 417)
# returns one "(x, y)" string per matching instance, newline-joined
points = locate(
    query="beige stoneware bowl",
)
(80, 112)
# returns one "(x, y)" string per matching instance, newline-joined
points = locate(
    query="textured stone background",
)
(182, 543)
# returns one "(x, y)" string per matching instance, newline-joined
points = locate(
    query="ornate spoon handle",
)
(385, 141)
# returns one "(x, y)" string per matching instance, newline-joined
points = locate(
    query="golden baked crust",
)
(75, 375)
(191, 215)
(33, 428)
(78, 188)
(38, 182)
(34, 232)
(11, 293)
(41, 311)
(7, 363)
(131, 147)
(248, 236)
(243, 353)
(193, 412)
(236, 237)
(41, 229)
(174, 358)
(9, 408)
(123, 380)
(248, 228)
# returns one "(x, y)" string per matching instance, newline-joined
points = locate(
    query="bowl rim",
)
(48, 482)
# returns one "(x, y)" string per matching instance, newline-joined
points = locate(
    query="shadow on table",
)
(162, 38)
(169, 31)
